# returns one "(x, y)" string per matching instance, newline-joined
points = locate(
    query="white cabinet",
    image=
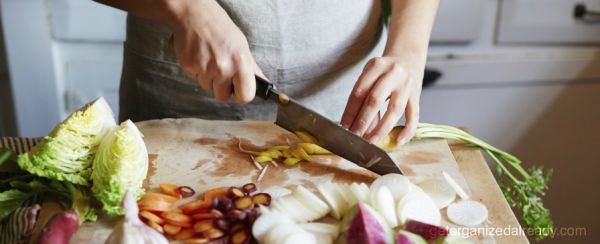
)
(548, 22)
(458, 21)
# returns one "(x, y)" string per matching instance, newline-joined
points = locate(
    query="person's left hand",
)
(397, 78)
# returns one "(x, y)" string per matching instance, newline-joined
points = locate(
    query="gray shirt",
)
(313, 50)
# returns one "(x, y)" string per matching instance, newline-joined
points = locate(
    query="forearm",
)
(170, 12)
(410, 28)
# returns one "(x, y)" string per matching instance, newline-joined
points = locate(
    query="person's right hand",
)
(212, 50)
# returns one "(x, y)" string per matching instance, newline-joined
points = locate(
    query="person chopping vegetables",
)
(185, 58)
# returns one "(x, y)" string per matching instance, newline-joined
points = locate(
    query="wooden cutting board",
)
(205, 154)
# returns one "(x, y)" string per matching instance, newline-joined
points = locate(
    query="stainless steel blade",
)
(331, 136)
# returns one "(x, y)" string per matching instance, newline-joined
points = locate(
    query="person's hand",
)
(212, 50)
(397, 78)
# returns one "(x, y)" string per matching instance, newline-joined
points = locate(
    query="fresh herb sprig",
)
(522, 189)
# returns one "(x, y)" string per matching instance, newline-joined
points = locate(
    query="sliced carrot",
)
(159, 196)
(177, 219)
(196, 206)
(155, 226)
(169, 189)
(213, 233)
(171, 229)
(197, 241)
(203, 225)
(154, 205)
(151, 217)
(185, 234)
(216, 192)
(203, 216)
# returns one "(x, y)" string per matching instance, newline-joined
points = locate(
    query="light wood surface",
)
(484, 188)
(205, 154)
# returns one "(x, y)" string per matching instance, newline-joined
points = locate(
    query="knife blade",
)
(292, 116)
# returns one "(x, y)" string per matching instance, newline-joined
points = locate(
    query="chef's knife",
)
(293, 117)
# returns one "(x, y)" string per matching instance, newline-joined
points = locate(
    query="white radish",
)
(318, 208)
(415, 188)
(300, 237)
(462, 193)
(348, 195)
(280, 232)
(398, 184)
(325, 233)
(383, 201)
(265, 222)
(302, 212)
(439, 190)
(359, 193)
(467, 213)
(333, 199)
(420, 207)
(277, 191)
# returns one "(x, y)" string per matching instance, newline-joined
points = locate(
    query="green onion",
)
(523, 189)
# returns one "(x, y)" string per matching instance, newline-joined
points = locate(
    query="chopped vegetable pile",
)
(221, 215)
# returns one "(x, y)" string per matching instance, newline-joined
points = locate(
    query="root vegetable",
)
(427, 231)
(171, 229)
(249, 188)
(236, 215)
(462, 193)
(262, 199)
(169, 189)
(151, 217)
(439, 191)
(467, 213)
(398, 184)
(240, 236)
(177, 219)
(235, 192)
(383, 201)
(243, 203)
(291, 161)
(60, 228)
(418, 206)
(203, 225)
(305, 136)
(185, 191)
(184, 234)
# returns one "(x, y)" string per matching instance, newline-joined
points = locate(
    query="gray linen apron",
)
(313, 50)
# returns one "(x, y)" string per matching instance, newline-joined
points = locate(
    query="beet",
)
(60, 228)
(405, 237)
(427, 231)
(363, 225)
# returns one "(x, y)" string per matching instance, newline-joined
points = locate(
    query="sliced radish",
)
(308, 213)
(467, 213)
(348, 195)
(321, 229)
(266, 222)
(277, 191)
(333, 199)
(415, 188)
(398, 184)
(462, 193)
(280, 232)
(383, 201)
(325, 233)
(310, 200)
(439, 190)
(300, 237)
(420, 207)
(359, 193)
(297, 209)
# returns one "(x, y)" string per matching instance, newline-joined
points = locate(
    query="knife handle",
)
(263, 87)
